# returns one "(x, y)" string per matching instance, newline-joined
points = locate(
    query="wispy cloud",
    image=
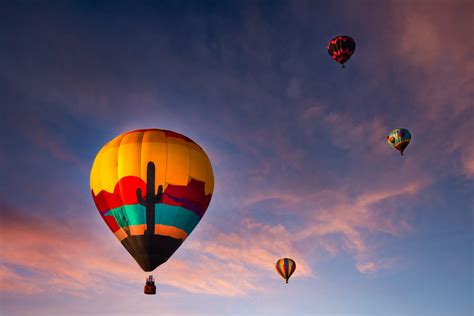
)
(55, 255)
(468, 162)
(63, 257)
(431, 40)
(355, 220)
(14, 282)
(255, 245)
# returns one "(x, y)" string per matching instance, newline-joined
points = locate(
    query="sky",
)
(297, 144)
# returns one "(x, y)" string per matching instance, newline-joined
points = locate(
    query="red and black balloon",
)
(341, 48)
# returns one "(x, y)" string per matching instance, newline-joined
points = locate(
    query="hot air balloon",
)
(399, 139)
(341, 48)
(151, 187)
(285, 267)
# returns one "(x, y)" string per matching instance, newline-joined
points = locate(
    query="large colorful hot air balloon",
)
(399, 139)
(285, 267)
(151, 187)
(341, 48)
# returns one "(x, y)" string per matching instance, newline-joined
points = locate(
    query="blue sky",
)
(297, 144)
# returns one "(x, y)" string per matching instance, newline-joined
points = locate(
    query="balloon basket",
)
(150, 288)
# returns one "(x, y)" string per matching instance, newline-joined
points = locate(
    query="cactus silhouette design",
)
(150, 200)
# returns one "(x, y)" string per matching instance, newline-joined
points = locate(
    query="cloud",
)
(367, 267)
(62, 257)
(13, 282)
(431, 40)
(235, 263)
(370, 267)
(353, 220)
(57, 255)
(419, 78)
(255, 245)
(365, 137)
(345, 219)
(345, 211)
(468, 162)
(420, 42)
(312, 111)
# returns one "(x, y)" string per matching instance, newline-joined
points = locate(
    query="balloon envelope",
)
(399, 139)
(341, 48)
(151, 187)
(285, 267)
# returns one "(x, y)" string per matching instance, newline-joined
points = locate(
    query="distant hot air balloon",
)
(399, 139)
(341, 48)
(285, 267)
(151, 187)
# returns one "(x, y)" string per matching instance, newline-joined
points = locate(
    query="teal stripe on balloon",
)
(170, 215)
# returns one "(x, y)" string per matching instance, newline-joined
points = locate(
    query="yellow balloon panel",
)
(95, 178)
(129, 155)
(154, 149)
(198, 162)
(108, 168)
(209, 184)
(178, 168)
(115, 142)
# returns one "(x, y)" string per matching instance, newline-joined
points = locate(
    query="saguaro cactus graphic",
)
(150, 200)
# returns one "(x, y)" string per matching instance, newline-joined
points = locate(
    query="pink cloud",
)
(355, 219)
(204, 274)
(431, 39)
(364, 138)
(313, 111)
(336, 220)
(11, 281)
(60, 259)
(58, 256)
(361, 205)
(468, 162)
(367, 267)
(270, 194)
(426, 33)
(255, 246)
(370, 267)
(431, 62)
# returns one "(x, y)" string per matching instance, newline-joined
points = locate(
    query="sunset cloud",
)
(432, 40)
(58, 259)
(354, 220)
